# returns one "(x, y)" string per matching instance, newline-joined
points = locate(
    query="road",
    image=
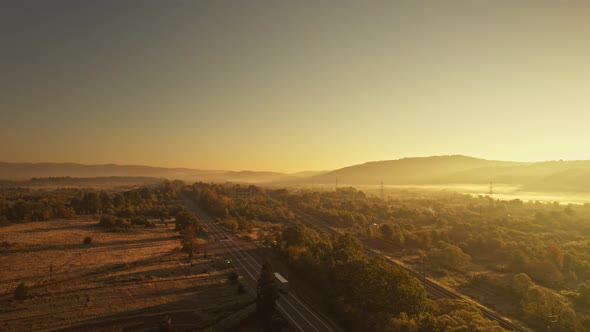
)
(299, 313)
(433, 289)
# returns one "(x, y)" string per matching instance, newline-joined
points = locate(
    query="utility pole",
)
(336, 183)
(382, 194)
(312, 182)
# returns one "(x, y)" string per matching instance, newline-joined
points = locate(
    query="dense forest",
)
(534, 254)
(368, 293)
(23, 204)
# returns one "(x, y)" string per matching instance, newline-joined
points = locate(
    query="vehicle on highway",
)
(282, 283)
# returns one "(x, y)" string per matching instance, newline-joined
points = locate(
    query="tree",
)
(184, 218)
(266, 292)
(450, 256)
(188, 240)
(521, 283)
(386, 231)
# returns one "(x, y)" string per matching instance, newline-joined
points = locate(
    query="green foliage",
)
(386, 231)
(138, 220)
(298, 235)
(521, 284)
(113, 224)
(364, 293)
(188, 239)
(583, 299)
(261, 206)
(460, 315)
(185, 218)
(107, 221)
(540, 302)
(527, 244)
(230, 223)
(450, 256)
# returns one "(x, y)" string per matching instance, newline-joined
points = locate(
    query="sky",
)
(292, 85)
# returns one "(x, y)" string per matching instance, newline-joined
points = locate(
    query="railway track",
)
(301, 315)
(433, 289)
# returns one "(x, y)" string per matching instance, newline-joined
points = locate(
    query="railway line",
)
(299, 313)
(433, 289)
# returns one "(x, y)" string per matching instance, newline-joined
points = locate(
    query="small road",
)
(433, 289)
(300, 314)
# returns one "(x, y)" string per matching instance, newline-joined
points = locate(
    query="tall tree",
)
(188, 240)
(267, 292)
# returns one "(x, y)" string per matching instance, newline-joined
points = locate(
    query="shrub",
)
(121, 225)
(87, 240)
(107, 221)
(138, 220)
(21, 292)
(114, 224)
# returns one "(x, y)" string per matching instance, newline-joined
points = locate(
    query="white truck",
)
(282, 283)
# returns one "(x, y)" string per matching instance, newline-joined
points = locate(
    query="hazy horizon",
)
(287, 87)
(286, 172)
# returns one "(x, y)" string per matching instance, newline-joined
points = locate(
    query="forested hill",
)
(565, 176)
(424, 170)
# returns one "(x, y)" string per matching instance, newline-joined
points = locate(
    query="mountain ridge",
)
(557, 175)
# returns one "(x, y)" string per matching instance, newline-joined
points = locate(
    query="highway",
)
(433, 289)
(299, 314)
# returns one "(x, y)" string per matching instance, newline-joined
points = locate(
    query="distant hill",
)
(564, 176)
(426, 170)
(26, 171)
(250, 177)
(307, 174)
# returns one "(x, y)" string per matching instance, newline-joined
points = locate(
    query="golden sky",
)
(290, 86)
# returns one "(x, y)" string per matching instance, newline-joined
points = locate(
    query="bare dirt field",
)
(120, 282)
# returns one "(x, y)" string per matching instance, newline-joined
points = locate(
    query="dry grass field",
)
(120, 282)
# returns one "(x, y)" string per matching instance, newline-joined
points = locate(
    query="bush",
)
(107, 221)
(138, 220)
(121, 225)
(114, 224)
(21, 292)
(87, 240)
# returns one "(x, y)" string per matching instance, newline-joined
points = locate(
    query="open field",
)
(122, 281)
